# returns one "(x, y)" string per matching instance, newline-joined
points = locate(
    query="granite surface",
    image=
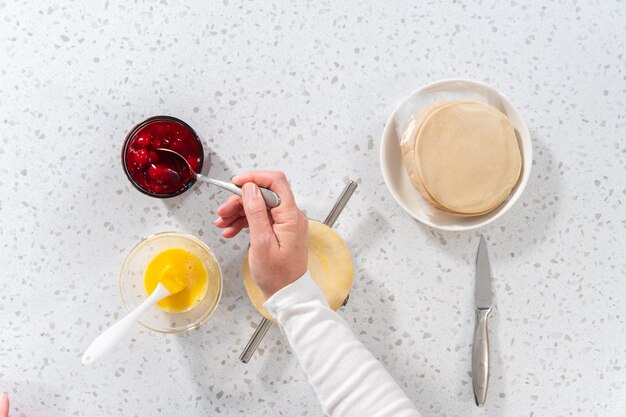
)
(306, 87)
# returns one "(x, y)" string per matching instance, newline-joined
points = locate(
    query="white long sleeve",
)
(346, 377)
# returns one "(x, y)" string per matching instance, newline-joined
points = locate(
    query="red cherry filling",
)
(143, 141)
(157, 143)
(140, 158)
(153, 157)
(159, 172)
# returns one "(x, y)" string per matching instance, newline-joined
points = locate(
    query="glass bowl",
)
(131, 135)
(133, 293)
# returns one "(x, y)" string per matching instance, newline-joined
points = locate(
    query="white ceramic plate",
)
(398, 181)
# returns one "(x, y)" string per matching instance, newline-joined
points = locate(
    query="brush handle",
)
(111, 336)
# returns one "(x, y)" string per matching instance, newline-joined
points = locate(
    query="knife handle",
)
(480, 357)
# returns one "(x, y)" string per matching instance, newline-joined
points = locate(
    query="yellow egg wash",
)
(177, 269)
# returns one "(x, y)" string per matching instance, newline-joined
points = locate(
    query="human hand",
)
(278, 237)
(4, 406)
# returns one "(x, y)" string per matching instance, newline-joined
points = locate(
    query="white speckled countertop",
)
(306, 87)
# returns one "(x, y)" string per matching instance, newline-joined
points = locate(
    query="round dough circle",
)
(467, 157)
(330, 266)
(408, 146)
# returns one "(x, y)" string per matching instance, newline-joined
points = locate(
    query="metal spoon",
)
(271, 198)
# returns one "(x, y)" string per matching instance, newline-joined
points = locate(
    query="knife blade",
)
(482, 296)
(480, 347)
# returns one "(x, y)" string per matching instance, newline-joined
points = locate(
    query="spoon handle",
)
(271, 198)
(111, 336)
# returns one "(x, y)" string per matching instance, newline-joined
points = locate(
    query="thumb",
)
(256, 212)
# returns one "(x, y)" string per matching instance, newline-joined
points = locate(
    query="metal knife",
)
(480, 349)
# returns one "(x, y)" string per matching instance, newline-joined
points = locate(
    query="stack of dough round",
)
(462, 156)
(330, 266)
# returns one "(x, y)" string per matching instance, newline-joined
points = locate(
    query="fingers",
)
(4, 406)
(261, 232)
(274, 180)
(235, 227)
(223, 222)
(232, 207)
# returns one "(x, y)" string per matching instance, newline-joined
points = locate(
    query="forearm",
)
(346, 377)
